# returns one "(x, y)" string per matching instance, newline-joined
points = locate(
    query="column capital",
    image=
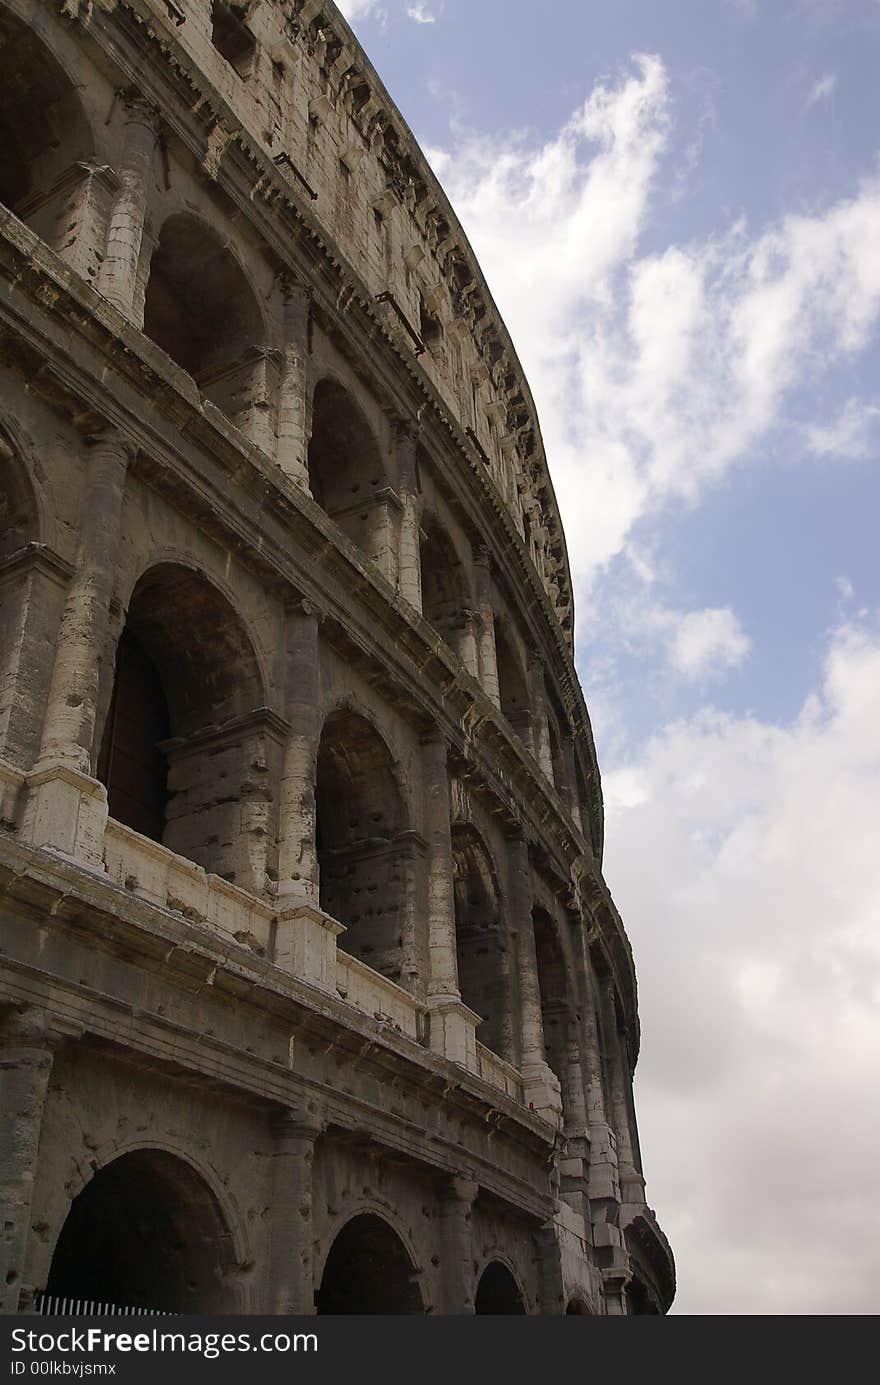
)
(31, 1026)
(457, 1191)
(434, 738)
(405, 429)
(482, 554)
(139, 110)
(110, 439)
(301, 608)
(293, 1123)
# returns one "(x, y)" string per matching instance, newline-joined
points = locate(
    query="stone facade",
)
(312, 995)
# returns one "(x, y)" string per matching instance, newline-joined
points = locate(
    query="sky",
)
(676, 204)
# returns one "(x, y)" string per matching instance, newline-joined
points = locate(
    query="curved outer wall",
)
(308, 961)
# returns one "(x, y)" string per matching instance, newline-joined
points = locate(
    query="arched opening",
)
(498, 1292)
(577, 1309)
(483, 957)
(512, 689)
(201, 309)
(368, 1271)
(146, 1233)
(640, 1302)
(44, 135)
(184, 726)
(363, 865)
(443, 600)
(19, 522)
(346, 475)
(554, 994)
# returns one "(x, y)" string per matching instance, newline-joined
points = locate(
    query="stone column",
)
(27, 1047)
(66, 808)
(467, 642)
(117, 277)
(294, 395)
(291, 1268)
(539, 724)
(551, 1289)
(456, 1203)
(575, 1160)
(452, 1026)
(297, 859)
(568, 789)
(632, 1185)
(305, 937)
(69, 725)
(442, 962)
(409, 566)
(488, 657)
(542, 1090)
(380, 534)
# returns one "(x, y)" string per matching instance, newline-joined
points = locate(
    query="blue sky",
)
(676, 204)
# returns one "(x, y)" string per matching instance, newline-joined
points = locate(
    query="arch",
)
(44, 131)
(360, 818)
(577, 1308)
(498, 1292)
(640, 1301)
(483, 958)
(147, 1232)
(181, 722)
(201, 308)
(553, 987)
(19, 512)
(443, 586)
(369, 1271)
(346, 474)
(512, 686)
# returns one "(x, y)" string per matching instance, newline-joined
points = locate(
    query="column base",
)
(452, 1030)
(66, 811)
(305, 942)
(542, 1092)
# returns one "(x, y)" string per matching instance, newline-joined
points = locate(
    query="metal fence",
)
(60, 1307)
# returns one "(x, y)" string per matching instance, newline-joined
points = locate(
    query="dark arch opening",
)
(554, 994)
(639, 1301)
(512, 689)
(178, 741)
(577, 1309)
(346, 475)
(201, 309)
(483, 958)
(498, 1292)
(442, 582)
(44, 133)
(368, 1270)
(19, 522)
(362, 862)
(145, 1232)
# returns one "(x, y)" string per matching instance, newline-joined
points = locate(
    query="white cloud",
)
(850, 435)
(743, 857)
(421, 14)
(706, 643)
(653, 373)
(356, 9)
(821, 89)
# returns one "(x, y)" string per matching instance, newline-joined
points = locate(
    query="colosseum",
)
(313, 996)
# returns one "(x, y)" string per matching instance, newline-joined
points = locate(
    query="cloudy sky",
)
(677, 207)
